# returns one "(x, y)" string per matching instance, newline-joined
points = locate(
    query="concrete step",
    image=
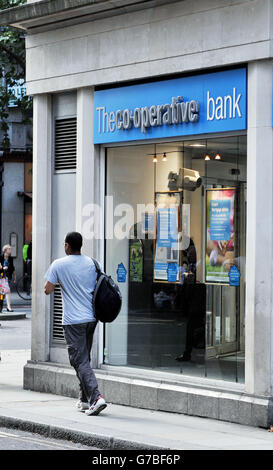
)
(182, 395)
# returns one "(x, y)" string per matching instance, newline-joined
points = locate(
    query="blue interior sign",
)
(172, 272)
(121, 273)
(207, 103)
(234, 276)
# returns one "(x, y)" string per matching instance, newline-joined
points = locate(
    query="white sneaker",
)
(96, 407)
(82, 405)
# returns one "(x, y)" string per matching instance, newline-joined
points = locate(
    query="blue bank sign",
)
(214, 102)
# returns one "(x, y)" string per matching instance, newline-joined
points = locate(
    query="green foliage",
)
(12, 72)
(4, 4)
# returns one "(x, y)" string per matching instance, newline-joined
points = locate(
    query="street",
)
(11, 439)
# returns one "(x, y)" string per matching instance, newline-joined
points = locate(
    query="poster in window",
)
(220, 234)
(148, 224)
(166, 254)
(135, 260)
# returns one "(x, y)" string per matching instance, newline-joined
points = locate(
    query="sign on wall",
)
(18, 91)
(208, 103)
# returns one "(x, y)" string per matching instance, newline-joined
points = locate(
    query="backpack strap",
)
(100, 277)
(97, 266)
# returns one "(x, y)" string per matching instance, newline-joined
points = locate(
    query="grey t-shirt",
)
(77, 276)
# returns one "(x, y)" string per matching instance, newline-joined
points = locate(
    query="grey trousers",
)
(79, 339)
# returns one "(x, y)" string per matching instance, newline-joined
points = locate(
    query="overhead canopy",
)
(51, 14)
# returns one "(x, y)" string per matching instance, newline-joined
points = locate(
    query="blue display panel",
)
(220, 215)
(201, 104)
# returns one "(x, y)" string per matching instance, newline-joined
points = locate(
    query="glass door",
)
(225, 303)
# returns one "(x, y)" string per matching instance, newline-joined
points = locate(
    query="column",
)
(259, 257)
(88, 188)
(41, 233)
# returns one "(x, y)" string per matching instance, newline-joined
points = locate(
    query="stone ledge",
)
(232, 406)
(48, 13)
(13, 316)
(156, 376)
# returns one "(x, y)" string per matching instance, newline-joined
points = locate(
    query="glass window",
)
(176, 221)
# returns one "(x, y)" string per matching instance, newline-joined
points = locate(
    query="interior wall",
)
(133, 178)
(130, 180)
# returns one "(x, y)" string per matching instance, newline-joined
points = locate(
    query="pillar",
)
(89, 191)
(259, 257)
(41, 234)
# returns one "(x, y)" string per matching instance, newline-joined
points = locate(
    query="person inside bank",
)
(193, 301)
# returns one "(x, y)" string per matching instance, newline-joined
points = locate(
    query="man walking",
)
(76, 274)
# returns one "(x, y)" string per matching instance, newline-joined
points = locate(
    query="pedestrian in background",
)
(7, 271)
(29, 267)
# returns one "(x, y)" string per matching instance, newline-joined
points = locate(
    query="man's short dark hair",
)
(74, 239)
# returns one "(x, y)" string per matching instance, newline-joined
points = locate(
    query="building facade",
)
(16, 185)
(153, 137)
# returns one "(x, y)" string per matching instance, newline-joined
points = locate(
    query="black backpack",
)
(106, 297)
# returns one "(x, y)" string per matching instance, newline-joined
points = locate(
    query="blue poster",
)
(172, 272)
(148, 222)
(220, 219)
(121, 273)
(234, 276)
(167, 227)
(161, 271)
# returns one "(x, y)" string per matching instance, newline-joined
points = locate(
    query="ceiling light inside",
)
(197, 145)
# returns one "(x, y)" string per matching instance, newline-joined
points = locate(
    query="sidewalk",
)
(19, 306)
(118, 427)
(17, 301)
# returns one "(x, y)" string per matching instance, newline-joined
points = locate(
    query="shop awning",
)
(52, 14)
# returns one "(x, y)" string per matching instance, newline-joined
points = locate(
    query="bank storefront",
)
(159, 192)
(175, 223)
(157, 115)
